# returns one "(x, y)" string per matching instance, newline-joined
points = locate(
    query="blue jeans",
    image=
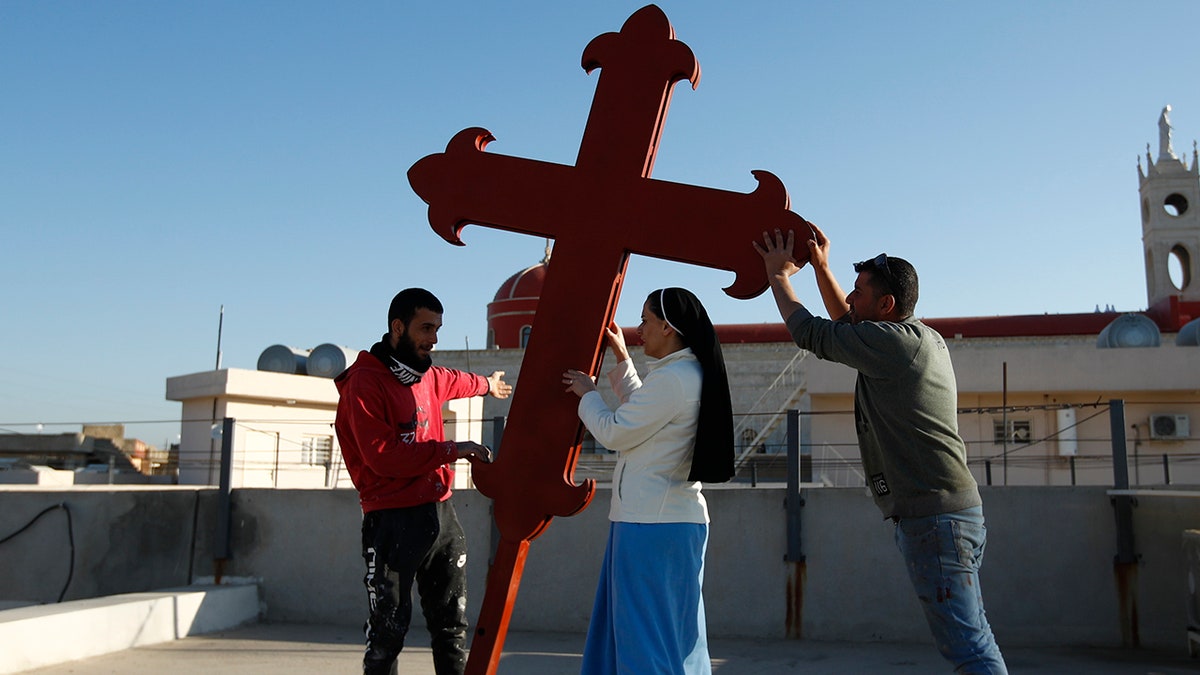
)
(943, 554)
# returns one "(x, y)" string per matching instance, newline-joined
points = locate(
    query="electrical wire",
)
(70, 541)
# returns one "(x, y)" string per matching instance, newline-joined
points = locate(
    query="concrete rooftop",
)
(297, 649)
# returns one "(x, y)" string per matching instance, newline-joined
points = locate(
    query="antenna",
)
(220, 326)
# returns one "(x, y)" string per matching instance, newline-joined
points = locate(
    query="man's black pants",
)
(423, 543)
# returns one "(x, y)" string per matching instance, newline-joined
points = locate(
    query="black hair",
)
(905, 287)
(896, 277)
(408, 301)
(712, 458)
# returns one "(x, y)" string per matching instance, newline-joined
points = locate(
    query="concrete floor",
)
(298, 649)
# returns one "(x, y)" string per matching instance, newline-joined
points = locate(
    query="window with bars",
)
(748, 436)
(1019, 431)
(316, 450)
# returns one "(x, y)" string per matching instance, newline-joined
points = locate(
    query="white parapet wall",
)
(33, 636)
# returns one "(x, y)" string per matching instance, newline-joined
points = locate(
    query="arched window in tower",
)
(1179, 267)
(1175, 204)
(491, 340)
(525, 330)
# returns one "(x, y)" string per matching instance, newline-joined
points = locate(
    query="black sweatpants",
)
(423, 543)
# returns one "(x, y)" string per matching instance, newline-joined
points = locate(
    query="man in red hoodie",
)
(389, 424)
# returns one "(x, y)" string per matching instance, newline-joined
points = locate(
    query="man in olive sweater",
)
(905, 414)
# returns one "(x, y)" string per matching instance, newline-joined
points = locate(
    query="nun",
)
(672, 431)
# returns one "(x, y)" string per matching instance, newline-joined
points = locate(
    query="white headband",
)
(663, 304)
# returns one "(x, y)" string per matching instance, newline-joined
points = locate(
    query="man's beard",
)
(406, 353)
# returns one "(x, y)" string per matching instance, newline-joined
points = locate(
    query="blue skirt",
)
(648, 617)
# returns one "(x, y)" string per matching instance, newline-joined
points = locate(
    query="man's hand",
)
(818, 248)
(776, 253)
(832, 295)
(497, 386)
(473, 451)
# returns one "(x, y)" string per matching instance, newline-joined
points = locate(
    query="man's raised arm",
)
(776, 252)
(832, 295)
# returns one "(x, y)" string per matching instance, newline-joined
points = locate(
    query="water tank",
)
(1129, 330)
(1189, 335)
(329, 360)
(284, 359)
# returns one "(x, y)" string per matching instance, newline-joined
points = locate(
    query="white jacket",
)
(654, 431)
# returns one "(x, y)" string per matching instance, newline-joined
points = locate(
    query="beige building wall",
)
(283, 429)
(1056, 391)
(1048, 377)
(276, 415)
(1045, 377)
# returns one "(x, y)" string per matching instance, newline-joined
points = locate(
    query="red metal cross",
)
(598, 212)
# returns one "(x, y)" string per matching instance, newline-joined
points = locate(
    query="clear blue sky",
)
(161, 159)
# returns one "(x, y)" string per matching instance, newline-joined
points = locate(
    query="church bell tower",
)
(1170, 201)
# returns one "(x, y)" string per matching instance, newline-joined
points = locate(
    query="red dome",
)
(524, 284)
(511, 312)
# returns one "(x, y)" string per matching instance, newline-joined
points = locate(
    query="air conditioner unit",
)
(1169, 427)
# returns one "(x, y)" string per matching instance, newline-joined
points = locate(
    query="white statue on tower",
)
(1165, 151)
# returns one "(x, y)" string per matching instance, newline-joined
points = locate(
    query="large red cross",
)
(598, 212)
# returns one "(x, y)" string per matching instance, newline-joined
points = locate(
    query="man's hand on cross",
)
(777, 255)
(473, 451)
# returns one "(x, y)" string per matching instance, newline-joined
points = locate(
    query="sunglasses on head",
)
(878, 264)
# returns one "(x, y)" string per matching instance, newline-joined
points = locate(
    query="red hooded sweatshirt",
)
(391, 434)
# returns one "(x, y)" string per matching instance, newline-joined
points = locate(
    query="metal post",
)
(987, 470)
(1166, 470)
(1004, 406)
(275, 473)
(1125, 562)
(1137, 463)
(794, 503)
(806, 444)
(1072, 470)
(794, 499)
(221, 536)
(1116, 418)
(497, 435)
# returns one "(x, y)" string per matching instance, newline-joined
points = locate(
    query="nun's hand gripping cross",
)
(598, 212)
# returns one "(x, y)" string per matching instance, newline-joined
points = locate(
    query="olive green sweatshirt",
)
(905, 411)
